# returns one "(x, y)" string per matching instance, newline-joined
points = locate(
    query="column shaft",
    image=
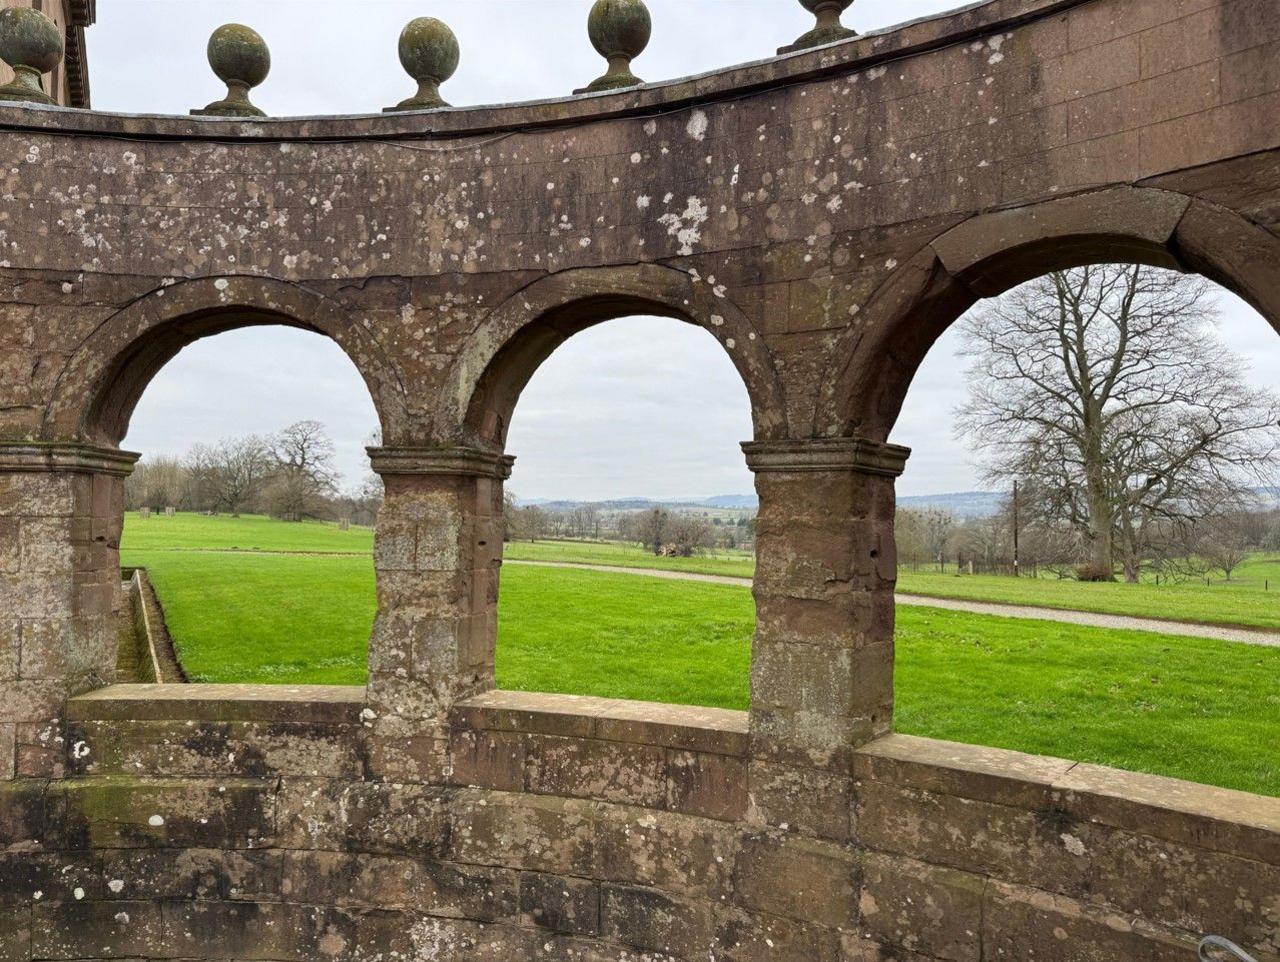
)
(437, 552)
(822, 656)
(61, 512)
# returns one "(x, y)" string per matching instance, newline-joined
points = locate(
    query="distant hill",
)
(722, 502)
(733, 501)
(962, 504)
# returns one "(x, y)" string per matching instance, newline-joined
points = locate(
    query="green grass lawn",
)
(741, 564)
(1200, 710)
(1243, 601)
(269, 618)
(246, 533)
(1237, 603)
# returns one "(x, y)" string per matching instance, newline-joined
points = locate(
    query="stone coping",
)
(1204, 816)
(300, 704)
(859, 53)
(713, 730)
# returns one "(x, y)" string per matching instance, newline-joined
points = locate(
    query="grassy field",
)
(247, 533)
(1237, 603)
(740, 564)
(1200, 710)
(1243, 601)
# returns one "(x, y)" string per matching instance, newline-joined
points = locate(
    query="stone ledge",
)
(860, 455)
(712, 730)
(63, 456)
(308, 704)
(1204, 816)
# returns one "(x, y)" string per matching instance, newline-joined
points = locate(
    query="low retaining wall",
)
(216, 822)
(146, 652)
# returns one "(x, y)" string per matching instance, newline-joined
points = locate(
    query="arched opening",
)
(497, 363)
(1087, 534)
(629, 516)
(247, 525)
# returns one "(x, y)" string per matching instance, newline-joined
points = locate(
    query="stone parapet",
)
(955, 848)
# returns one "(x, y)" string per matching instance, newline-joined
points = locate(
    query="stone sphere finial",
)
(240, 58)
(31, 44)
(829, 29)
(619, 30)
(429, 52)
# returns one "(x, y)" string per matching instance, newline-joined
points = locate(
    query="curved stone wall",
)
(825, 215)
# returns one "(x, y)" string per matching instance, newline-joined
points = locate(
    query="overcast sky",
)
(636, 407)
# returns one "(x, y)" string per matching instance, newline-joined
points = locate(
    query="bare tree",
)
(652, 529)
(1109, 387)
(1225, 541)
(937, 529)
(522, 522)
(304, 473)
(229, 475)
(157, 482)
(909, 535)
(690, 533)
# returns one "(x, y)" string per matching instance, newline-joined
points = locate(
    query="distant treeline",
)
(1176, 548)
(288, 475)
(664, 531)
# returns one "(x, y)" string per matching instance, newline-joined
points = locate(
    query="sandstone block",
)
(798, 878)
(654, 921)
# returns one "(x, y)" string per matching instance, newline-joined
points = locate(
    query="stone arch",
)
(487, 378)
(97, 391)
(994, 252)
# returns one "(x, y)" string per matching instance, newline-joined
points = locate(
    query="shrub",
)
(1092, 572)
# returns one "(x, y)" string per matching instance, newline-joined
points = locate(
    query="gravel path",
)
(1089, 618)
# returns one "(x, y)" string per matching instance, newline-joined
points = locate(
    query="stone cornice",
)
(29, 457)
(467, 462)
(82, 13)
(860, 455)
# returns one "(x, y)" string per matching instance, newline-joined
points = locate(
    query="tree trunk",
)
(1132, 569)
(1101, 546)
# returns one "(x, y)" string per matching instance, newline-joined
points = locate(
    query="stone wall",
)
(574, 828)
(825, 216)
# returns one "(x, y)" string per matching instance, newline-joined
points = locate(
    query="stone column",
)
(61, 512)
(437, 552)
(822, 657)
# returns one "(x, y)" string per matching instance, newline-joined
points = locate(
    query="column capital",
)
(808, 455)
(460, 461)
(65, 456)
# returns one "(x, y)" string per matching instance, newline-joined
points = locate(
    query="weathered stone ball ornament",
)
(31, 44)
(619, 30)
(829, 29)
(240, 58)
(429, 52)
